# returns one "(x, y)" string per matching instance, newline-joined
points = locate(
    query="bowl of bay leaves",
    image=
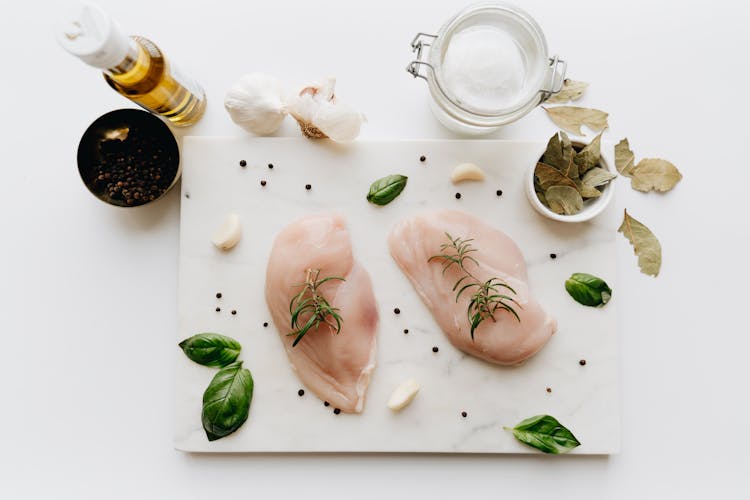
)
(571, 180)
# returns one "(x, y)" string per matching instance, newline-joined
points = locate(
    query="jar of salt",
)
(486, 67)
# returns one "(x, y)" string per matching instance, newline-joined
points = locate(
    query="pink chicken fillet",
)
(336, 367)
(505, 341)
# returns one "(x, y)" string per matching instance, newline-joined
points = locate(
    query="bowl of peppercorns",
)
(128, 158)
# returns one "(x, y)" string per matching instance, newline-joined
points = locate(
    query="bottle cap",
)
(86, 31)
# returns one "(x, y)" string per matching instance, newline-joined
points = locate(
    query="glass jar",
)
(498, 97)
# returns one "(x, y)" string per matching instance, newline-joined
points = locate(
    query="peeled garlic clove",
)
(467, 172)
(228, 234)
(255, 103)
(321, 115)
(403, 394)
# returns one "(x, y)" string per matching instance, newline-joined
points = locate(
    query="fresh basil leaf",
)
(226, 402)
(385, 190)
(545, 433)
(211, 349)
(588, 290)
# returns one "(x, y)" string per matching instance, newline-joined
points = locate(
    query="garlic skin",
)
(321, 115)
(255, 103)
(228, 234)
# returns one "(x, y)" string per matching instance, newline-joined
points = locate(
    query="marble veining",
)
(584, 398)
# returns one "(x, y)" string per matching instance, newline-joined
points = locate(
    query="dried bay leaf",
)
(645, 244)
(654, 173)
(572, 91)
(587, 191)
(624, 158)
(564, 200)
(560, 153)
(548, 176)
(590, 155)
(597, 176)
(542, 198)
(571, 118)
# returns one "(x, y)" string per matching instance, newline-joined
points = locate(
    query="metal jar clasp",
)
(420, 41)
(557, 68)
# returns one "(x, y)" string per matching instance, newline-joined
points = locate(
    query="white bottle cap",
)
(88, 32)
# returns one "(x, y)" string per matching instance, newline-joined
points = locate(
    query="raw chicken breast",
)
(505, 341)
(336, 367)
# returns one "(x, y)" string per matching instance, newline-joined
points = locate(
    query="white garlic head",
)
(255, 103)
(321, 115)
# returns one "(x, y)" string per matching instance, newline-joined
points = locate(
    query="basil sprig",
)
(226, 402)
(385, 190)
(546, 434)
(588, 290)
(211, 349)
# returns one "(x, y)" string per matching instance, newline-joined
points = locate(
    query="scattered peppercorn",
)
(234, 312)
(435, 349)
(422, 158)
(243, 163)
(458, 196)
(308, 187)
(336, 411)
(218, 309)
(270, 165)
(549, 389)
(406, 330)
(218, 295)
(582, 362)
(187, 195)
(499, 192)
(326, 403)
(553, 256)
(301, 392)
(262, 183)
(396, 311)
(265, 324)
(464, 414)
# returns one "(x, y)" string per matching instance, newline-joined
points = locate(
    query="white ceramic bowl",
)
(591, 207)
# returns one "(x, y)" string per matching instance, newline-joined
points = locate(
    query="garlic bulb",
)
(255, 103)
(320, 115)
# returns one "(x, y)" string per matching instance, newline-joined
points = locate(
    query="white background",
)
(88, 291)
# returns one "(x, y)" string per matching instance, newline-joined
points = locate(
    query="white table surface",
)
(88, 291)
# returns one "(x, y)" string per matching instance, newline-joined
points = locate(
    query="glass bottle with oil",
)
(133, 66)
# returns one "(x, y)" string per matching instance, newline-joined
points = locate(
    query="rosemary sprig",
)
(309, 308)
(487, 297)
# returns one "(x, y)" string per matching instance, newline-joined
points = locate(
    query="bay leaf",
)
(542, 198)
(654, 173)
(564, 200)
(597, 176)
(590, 155)
(553, 154)
(645, 244)
(548, 176)
(572, 91)
(587, 191)
(624, 158)
(572, 118)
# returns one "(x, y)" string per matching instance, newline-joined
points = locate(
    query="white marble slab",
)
(584, 398)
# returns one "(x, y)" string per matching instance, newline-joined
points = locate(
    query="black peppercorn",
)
(435, 349)
(549, 389)
(243, 163)
(396, 311)
(301, 392)
(582, 362)
(234, 312)
(265, 324)
(499, 192)
(458, 196)
(218, 309)
(406, 330)
(422, 158)
(218, 295)
(336, 411)
(464, 414)
(270, 165)
(553, 256)
(326, 403)
(262, 183)
(308, 187)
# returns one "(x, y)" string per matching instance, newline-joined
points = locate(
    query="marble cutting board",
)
(584, 398)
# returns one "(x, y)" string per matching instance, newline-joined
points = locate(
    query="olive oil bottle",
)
(134, 66)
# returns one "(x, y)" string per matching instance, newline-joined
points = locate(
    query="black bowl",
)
(128, 158)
